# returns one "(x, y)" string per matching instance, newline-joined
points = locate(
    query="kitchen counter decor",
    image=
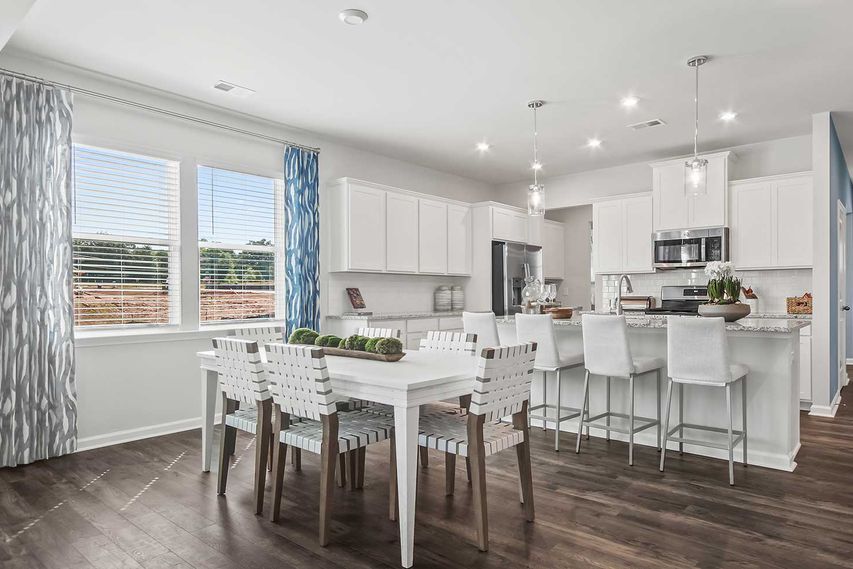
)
(723, 293)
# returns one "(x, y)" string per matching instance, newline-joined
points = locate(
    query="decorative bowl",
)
(730, 312)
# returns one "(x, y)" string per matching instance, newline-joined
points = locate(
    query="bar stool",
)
(607, 353)
(698, 354)
(539, 328)
(484, 325)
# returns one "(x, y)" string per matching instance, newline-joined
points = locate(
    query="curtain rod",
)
(153, 109)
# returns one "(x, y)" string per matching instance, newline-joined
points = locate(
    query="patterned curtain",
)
(38, 398)
(302, 250)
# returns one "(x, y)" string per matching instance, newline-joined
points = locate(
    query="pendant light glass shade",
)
(696, 169)
(696, 177)
(535, 191)
(536, 199)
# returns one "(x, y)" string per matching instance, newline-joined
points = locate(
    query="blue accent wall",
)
(839, 189)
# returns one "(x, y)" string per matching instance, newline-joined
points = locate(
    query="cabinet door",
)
(553, 251)
(607, 236)
(535, 230)
(805, 368)
(458, 240)
(670, 203)
(508, 225)
(637, 238)
(794, 222)
(433, 237)
(752, 225)
(402, 233)
(366, 228)
(709, 210)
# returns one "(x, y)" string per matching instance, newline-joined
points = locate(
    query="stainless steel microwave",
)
(687, 248)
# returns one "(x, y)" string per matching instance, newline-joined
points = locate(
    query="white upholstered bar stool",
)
(698, 354)
(484, 325)
(608, 354)
(539, 328)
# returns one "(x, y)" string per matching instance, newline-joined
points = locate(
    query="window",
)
(125, 231)
(240, 219)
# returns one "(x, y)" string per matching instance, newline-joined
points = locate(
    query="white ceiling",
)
(425, 81)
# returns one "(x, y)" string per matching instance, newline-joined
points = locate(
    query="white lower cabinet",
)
(412, 330)
(622, 235)
(806, 364)
(772, 222)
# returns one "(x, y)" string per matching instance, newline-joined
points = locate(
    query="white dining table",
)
(419, 378)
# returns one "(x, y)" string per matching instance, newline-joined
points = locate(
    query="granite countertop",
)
(781, 325)
(396, 315)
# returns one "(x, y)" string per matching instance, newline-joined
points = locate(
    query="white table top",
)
(417, 370)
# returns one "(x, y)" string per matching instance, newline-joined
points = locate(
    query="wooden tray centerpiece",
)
(355, 346)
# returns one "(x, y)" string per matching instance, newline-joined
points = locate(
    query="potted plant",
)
(723, 293)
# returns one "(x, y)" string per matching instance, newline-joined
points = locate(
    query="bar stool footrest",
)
(737, 436)
(645, 423)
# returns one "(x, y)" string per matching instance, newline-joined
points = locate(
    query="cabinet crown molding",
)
(387, 188)
(725, 154)
(771, 178)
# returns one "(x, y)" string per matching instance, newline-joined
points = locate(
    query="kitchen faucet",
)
(628, 288)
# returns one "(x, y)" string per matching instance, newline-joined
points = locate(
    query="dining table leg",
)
(406, 439)
(208, 413)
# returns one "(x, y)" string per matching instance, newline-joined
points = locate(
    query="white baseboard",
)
(805, 405)
(126, 436)
(849, 361)
(827, 410)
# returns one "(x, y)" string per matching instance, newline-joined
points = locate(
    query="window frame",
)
(172, 243)
(277, 248)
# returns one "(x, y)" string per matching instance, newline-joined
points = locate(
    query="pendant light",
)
(696, 169)
(536, 191)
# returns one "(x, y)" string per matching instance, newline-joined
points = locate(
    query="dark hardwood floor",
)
(146, 504)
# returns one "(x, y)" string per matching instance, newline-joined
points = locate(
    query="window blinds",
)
(125, 232)
(240, 239)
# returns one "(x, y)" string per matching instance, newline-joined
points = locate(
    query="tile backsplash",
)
(772, 287)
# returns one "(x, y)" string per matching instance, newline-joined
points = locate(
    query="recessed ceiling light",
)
(594, 143)
(728, 116)
(483, 146)
(353, 17)
(630, 101)
(536, 165)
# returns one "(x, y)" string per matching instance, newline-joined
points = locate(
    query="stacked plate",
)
(442, 299)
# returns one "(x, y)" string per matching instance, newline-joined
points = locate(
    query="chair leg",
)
(666, 425)
(352, 468)
(424, 455)
(229, 434)
(545, 400)
(328, 455)
(449, 473)
(477, 452)
(296, 459)
(464, 402)
(743, 412)
(583, 409)
(631, 423)
(557, 418)
(468, 464)
(393, 496)
(232, 442)
(681, 417)
(342, 470)
(271, 449)
(262, 448)
(731, 440)
(362, 459)
(525, 472)
(607, 402)
(279, 460)
(657, 404)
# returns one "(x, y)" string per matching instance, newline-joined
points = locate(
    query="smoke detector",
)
(233, 90)
(646, 124)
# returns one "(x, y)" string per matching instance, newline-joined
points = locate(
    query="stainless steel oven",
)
(690, 247)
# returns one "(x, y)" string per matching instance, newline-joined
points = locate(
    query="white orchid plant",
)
(723, 286)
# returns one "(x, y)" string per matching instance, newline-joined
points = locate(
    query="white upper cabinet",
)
(433, 237)
(553, 250)
(622, 235)
(772, 222)
(458, 239)
(365, 223)
(509, 225)
(673, 209)
(637, 219)
(375, 228)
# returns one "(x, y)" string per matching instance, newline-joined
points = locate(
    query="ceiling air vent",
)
(233, 90)
(646, 124)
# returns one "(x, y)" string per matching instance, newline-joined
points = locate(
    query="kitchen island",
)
(771, 350)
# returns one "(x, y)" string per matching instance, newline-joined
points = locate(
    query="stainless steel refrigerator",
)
(511, 263)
